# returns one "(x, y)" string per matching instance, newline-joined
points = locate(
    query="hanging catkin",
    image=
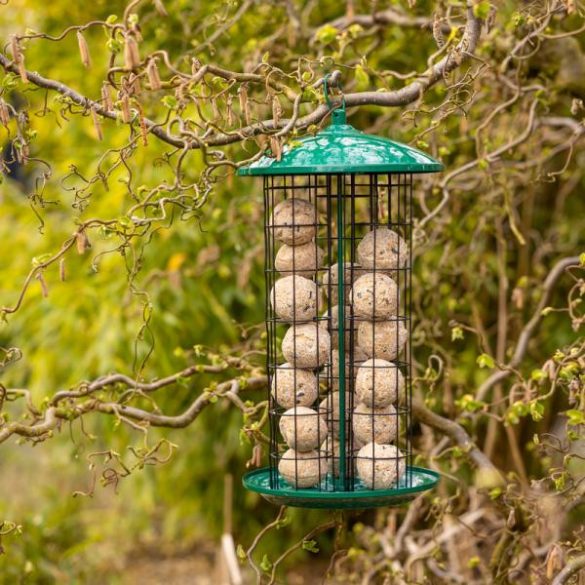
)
(153, 76)
(131, 54)
(83, 50)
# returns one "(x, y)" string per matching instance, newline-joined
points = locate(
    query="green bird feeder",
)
(338, 255)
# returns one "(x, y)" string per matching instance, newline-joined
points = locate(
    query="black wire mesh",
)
(319, 356)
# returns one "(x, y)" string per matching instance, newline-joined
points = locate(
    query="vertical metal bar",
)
(351, 353)
(341, 328)
(409, 437)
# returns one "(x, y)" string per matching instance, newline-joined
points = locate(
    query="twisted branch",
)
(406, 95)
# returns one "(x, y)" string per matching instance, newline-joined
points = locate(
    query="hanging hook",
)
(332, 80)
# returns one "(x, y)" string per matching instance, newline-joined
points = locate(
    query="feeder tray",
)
(415, 481)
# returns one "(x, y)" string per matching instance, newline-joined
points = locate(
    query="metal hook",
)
(334, 77)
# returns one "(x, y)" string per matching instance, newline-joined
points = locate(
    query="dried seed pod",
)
(215, 110)
(97, 124)
(4, 113)
(438, 31)
(126, 115)
(243, 96)
(107, 98)
(15, 48)
(143, 128)
(131, 54)
(18, 57)
(160, 7)
(135, 85)
(276, 111)
(82, 242)
(230, 110)
(83, 50)
(195, 65)
(45, 288)
(153, 76)
(276, 147)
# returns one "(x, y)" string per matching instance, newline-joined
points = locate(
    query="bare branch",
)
(401, 97)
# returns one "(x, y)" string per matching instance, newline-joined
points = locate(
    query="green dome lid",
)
(340, 148)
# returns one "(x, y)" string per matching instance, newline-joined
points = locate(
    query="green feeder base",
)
(415, 481)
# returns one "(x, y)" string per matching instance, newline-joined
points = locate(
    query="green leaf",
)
(495, 493)
(569, 371)
(113, 45)
(536, 410)
(582, 259)
(310, 545)
(560, 481)
(38, 260)
(266, 565)
(284, 521)
(485, 361)
(482, 9)
(241, 552)
(576, 417)
(362, 78)
(354, 30)
(326, 34)
(456, 333)
(170, 102)
(469, 403)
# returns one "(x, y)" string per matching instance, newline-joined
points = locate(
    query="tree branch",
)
(575, 564)
(401, 97)
(528, 330)
(455, 432)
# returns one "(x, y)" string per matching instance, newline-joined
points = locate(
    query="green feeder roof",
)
(340, 148)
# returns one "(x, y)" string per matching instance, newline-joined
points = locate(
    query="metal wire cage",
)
(338, 260)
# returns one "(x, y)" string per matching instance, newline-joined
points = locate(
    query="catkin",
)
(83, 50)
(97, 124)
(276, 111)
(153, 76)
(125, 109)
(18, 57)
(107, 98)
(4, 113)
(243, 96)
(131, 54)
(160, 7)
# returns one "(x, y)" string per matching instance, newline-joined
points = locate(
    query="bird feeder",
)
(338, 253)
